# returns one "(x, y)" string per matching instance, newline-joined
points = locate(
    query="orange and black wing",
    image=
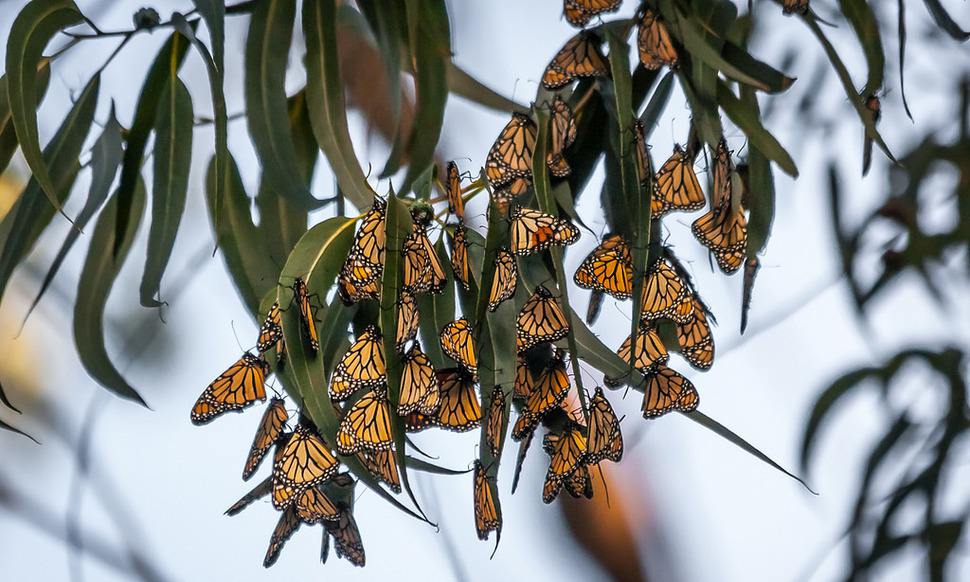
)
(363, 366)
(496, 422)
(579, 58)
(605, 439)
(667, 390)
(653, 42)
(563, 128)
(418, 381)
(270, 428)
(505, 279)
(303, 462)
(285, 528)
(459, 409)
(241, 385)
(487, 517)
(540, 320)
(510, 157)
(580, 12)
(608, 268)
(346, 538)
(382, 466)
(695, 339)
(533, 231)
(367, 425)
(456, 204)
(302, 297)
(459, 256)
(649, 352)
(458, 342)
(677, 186)
(407, 320)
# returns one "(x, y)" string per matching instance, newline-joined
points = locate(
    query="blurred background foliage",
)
(388, 66)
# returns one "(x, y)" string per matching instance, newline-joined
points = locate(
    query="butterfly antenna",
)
(232, 324)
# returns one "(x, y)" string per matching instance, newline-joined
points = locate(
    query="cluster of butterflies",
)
(306, 483)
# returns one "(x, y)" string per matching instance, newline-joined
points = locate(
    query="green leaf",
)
(267, 49)
(31, 214)
(866, 27)
(464, 85)
(106, 156)
(430, 53)
(747, 117)
(823, 405)
(12, 428)
(850, 91)
(97, 278)
(252, 270)
(325, 99)
(657, 104)
(33, 28)
(548, 205)
(386, 20)
(725, 433)
(142, 124)
(6, 401)
(214, 15)
(422, 465)
(281, 223)
(8, 133)
(945, 21)
(760, 187)
(172, 159)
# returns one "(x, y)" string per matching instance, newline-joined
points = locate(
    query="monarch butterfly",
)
(382, 466)
(579, 57)
(533, 231)
(568, 454)
(369, 241)
(271, 332)
(456, 204)
(407, 320)
(640, 149)
(458, 342)
(540, 320)
(667, 390)
(795, 7)
(677, 187)
(365, 284)
(285, 528)
(367, 425)
(304, 461)
(580, 484)
(580, 12)
(653, 42)
(694, 337)
(524, 383)
(437, 278)
(459, 256)
(459, 409)
(314, 506)
(607, 268)
(563, 134)
(663, 292)
(495, 427)
(505, 279)
(302, 297)
(724, 230)
(547, 392)
(605, 439)
(418, 380)
(650, 352)
(346, 538)
(362, 366)
(504, 196)
(270, 428)
(261, 490)
(242, 384)
(422, 267)
(511, 155)
(487, 518)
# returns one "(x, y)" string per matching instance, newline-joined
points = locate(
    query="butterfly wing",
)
(270, 428)
(241, 385)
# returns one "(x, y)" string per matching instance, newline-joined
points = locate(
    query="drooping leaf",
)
(172, 158)
(325, 99)
(106, 156)
(33, 28)
(8, 133)
(760, 185)
(945, 21)
(386, 20)
(6, 401)
(430, 52)
(657, 104)
(142, 124)
(747, 118)
(468, 87)
(281, 223)
(866, 27)
(13, 429)
(32, 212)
(214, 14)
(251, 268)
(97, 279)
(428, 467)
(267, 49)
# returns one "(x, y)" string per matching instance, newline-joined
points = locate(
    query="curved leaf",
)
(13, 429)
(325, 99)
(141, 126)
(386, 21)
(866, 27)
(252, 270)
(468, 87)
(172, 159)
(945, 21)
(97, 278)
(214, 14)
(430, 53)
(8, 133)
(823, 405)
(657, 104)
(33, 28)
(31, 214)
(760, 188)
(105, 158)
(267, 49)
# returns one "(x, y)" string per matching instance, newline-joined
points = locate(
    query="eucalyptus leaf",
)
(32, 212)
(746, 116)
(945, 21)
(8, 133)
(33, 28)
(172, 159)
(866, 27)
(97, 279)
